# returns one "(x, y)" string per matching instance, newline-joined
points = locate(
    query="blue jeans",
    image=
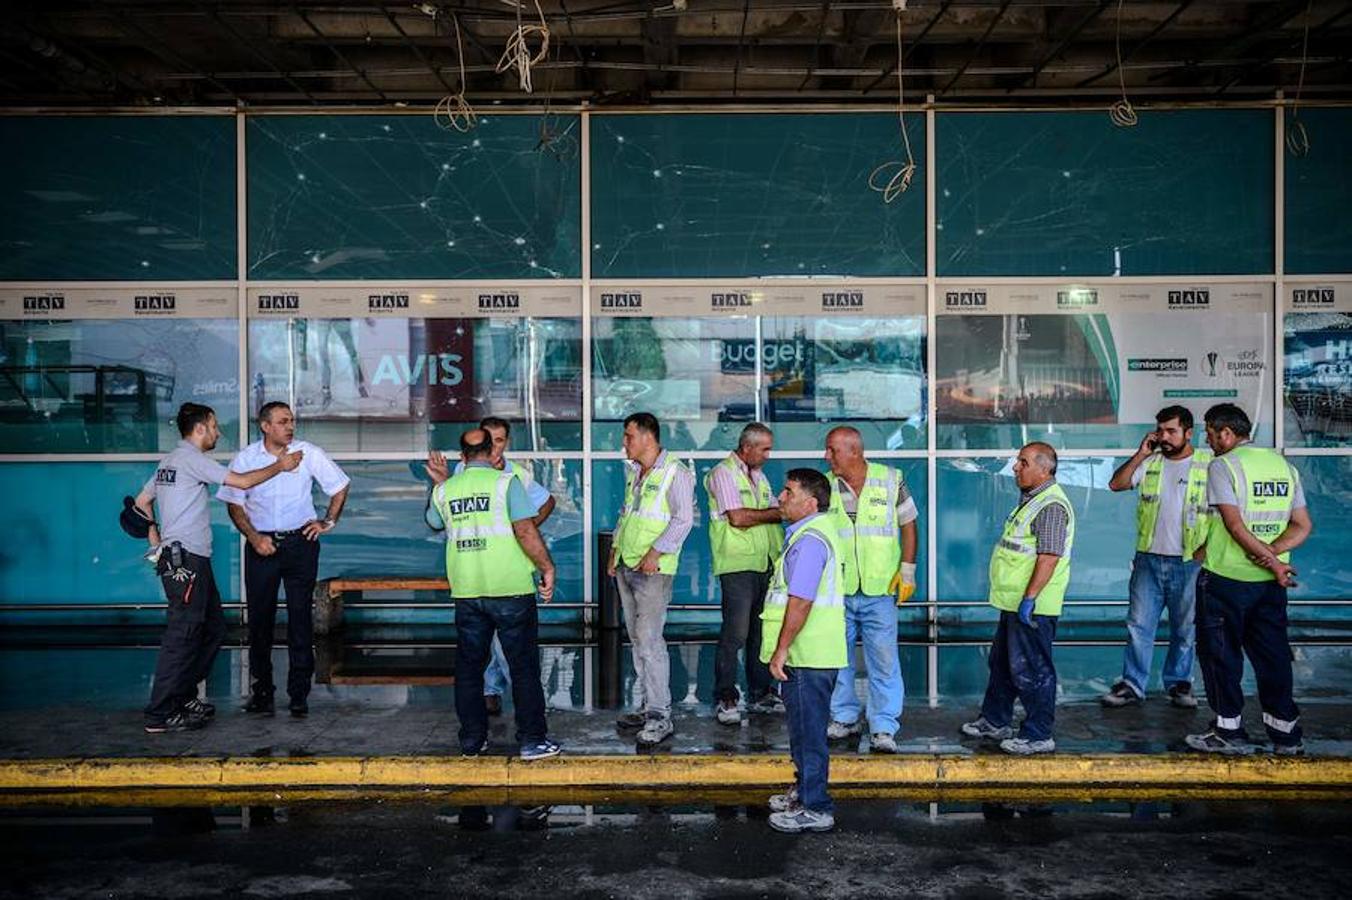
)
(872, 620)
(1021, 666)
(496, 678)
(807, 702)
(517, 624)
(1158, 582)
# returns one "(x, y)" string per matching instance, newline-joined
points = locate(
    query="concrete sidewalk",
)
(347, 748)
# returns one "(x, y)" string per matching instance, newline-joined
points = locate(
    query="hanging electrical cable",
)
(1122, 113)
(453, 111)
(518, 54)
(1297, 138)
(900, 180)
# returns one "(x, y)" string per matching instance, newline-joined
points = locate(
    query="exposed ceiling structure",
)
(105, 53)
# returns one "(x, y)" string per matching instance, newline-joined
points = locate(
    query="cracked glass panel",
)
(745, 194)
(113, 386)
(117, 198)
(1319, 193)
(1184, 192)
(401, 197)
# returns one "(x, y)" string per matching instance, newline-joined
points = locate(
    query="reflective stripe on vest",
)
(483, 557)
(1196, 513)
(1265, 486)
(1015, 556)
(642, 524)
(821, 642)
(871, 544)
(751, 549)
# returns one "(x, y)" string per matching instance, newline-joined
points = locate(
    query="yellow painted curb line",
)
(675, 772)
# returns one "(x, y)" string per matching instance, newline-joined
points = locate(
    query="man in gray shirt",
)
(181, 545)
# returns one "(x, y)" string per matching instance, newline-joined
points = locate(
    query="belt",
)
(282, 534)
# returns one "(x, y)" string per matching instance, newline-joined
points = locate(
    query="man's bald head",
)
(1045, 454)
(476, 443)
(844, 448)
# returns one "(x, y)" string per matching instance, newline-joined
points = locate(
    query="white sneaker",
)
(839, 731)
(795, 821)
(784, 802)
(982, 728)
(655, 731)
(1025, 747)
(883, 743)
(728, 714)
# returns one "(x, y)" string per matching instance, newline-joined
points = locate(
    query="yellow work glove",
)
(903, 583)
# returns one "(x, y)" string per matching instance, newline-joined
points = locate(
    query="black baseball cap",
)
(134, 522)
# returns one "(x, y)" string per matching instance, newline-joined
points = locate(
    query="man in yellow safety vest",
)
(803, 643)
(1172, 520)
(876, 516)
(1241, 593)
(745, 536)
(658, 512)
(493, 553)
(1029, 571)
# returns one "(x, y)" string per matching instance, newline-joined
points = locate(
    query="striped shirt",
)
(681, 501)
(906, 511)
(724, 488)
(1050, 524)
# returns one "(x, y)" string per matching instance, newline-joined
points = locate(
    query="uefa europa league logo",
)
(1211, 363)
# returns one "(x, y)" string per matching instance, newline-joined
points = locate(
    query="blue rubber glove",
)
(1026, 611)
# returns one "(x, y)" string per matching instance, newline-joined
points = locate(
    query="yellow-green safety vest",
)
(483, 557)
(751, 549)
(640, 526)
(821, 642)
(1015, 557)
(1265, 485)
(871, 544)
(1196, 512)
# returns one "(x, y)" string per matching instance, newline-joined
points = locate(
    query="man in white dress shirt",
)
(278, 520)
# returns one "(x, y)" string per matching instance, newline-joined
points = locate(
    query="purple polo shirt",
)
(805, 561)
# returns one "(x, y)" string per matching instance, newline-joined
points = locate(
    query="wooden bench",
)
(335, 667)
(331, 593)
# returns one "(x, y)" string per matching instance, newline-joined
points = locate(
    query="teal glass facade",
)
(343, 206)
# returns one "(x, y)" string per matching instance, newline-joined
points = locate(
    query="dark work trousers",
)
(807, 711)
(295, 565)
(192, 636)
(1239, 617)
(743, 600)
(1021, 666)
(517, 625)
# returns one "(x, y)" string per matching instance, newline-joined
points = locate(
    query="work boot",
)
(839, 731)
(1297, 749)
(982, 728)
(727, 713)
(798, 820)
(1181, 695)
(1026, 747)
(299, 709)
(1121, 695)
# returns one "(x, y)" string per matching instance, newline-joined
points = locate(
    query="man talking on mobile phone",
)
(1172, 519)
